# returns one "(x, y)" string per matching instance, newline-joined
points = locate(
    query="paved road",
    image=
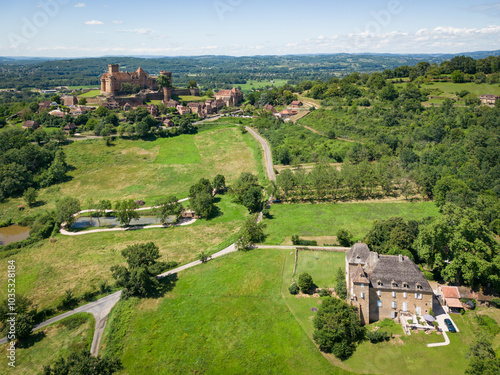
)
(267, 154)
(293, 247)
(99, 309)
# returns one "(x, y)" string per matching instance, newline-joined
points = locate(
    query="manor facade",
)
(385, 286)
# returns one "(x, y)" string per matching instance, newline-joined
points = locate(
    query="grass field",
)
(81, 263)
(321, 265)
(83, 87)
(90, 94)
(224, 317)
(48, 344)
(327, 219)
(148, 169)
(190, 98)
(257, 85)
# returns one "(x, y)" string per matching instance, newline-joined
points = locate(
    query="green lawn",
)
(326, 219)
(90, 94)
(321, 265)
(190, 98)
(449, 88)
(253, 84)
(224, 317)
(410, 355)
(48, 344)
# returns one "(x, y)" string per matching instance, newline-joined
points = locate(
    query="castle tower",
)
(113, 68)
(167, 91)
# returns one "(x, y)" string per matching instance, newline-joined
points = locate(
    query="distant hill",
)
(209, 71)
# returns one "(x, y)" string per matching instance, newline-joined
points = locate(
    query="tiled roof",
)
(360, 276)
(450, 292)
(454, 302)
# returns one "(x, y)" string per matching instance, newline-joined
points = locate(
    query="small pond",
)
(110, 221)
(13, 233)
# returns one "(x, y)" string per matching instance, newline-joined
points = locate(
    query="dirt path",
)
(267, 153)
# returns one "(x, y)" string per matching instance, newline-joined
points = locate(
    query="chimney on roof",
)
(401, 258)
(113, 68)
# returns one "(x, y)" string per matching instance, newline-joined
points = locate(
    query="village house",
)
(168, 123)
(112, 81)
(270, 108)
(79, 111)
(43, 105)
(30, 125)
(172, 103)
(57, 113)
(69, 100)
(287, 113)
(70, 128)
(489, 99)
(183, 110)
(296, 104)
(230, 98)
(385, 286)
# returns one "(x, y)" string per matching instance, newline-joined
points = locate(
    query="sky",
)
(93, 28)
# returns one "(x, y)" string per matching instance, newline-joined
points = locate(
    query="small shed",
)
(70, 128)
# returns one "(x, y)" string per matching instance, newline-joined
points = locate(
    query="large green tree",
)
(126, 211)
(337, 328)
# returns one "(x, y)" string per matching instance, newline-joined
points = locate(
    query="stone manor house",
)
(385, 286)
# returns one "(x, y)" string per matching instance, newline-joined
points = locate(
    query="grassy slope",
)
(90, 94)
(226, 316)
(321, 265)
(256, 85)
(327, 219)
(134, 169)
(81, 263)
(48, 344)
(147, 170)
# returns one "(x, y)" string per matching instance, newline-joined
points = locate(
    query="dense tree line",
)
(24, 164)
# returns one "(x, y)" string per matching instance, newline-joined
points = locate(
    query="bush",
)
(344, 237)
(294, 289)
(324, 293)
(377, 336)
(487, 323)
(305, 282)
(496, 302)
(297, 241)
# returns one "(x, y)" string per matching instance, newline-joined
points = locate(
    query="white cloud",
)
(117, 22)
(143, 31)
(79, 5)
(93, 22)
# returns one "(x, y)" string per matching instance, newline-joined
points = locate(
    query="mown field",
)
(50, 343)
(90, 94)
(147, 170)
(325, 219)
(224, 317)
(257, 85)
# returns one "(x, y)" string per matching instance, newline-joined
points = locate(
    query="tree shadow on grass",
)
(32, 340)
(166, 284)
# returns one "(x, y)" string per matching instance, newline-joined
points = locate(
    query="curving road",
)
(99, 309)
(267, 154)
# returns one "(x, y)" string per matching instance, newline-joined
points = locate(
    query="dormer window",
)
(419, 287)
(394, 284)
(405, 285)
(379, 283)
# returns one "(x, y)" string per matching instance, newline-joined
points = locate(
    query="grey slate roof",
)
(359, 253)
(399, 269)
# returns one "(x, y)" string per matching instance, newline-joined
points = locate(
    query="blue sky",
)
(68, 28)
